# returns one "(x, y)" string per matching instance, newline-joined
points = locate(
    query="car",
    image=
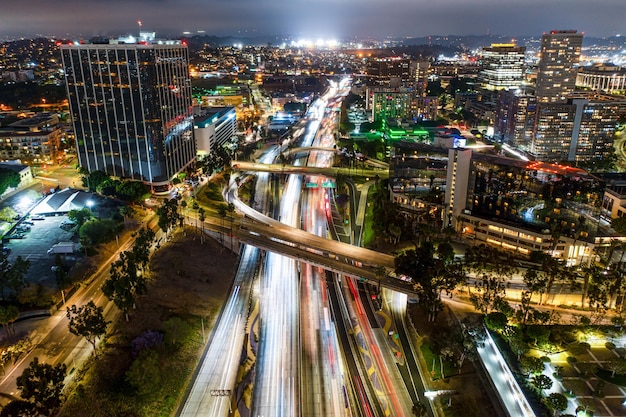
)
(16, 236)
(55, 268)
(37, 217)
(6, 250)
(28, 223)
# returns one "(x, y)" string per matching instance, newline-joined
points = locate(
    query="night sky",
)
(314, 19)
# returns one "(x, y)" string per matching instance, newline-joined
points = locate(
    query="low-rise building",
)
(213, 128)
(523, 206)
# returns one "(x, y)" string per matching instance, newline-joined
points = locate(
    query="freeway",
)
(277, 385)
(210, 393)
(321, 390)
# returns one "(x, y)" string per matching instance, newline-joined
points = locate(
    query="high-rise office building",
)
(515, 118)
(502, 66)
(131, 107)
(556, 74)
(582, 129)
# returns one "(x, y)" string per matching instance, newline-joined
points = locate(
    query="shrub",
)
(146, 340)
(610, 345)
(572, 359)
(545, 359)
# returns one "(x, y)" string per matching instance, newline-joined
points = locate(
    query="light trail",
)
(218, 369)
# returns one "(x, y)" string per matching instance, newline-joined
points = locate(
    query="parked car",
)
(16, 236)
(37, 217)
(6, 250)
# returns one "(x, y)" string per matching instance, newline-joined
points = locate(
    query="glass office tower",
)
(131, 107)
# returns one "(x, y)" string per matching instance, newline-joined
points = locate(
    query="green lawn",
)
(431, 357)
(368, 233)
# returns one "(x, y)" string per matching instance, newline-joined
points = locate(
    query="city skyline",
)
(324, 19)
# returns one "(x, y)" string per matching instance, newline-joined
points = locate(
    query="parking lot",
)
(34, 247)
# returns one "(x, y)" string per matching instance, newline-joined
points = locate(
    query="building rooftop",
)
(211, 114)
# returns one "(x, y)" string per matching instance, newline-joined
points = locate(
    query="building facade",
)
(523, 206)
(515, 119)
(502, 67)
(556, 73)
(215, 127)
(33, 140)
(606, 78)
(131, 107)
(581, 129)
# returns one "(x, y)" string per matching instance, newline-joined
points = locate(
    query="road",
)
(214, 382)
(322, 387)
(53, 343)
(277, 386)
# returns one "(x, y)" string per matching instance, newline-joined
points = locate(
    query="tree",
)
(12, 275)
(536, 282)
(557, 402)
(79, 216)
(87, 321)
(445, 251)
(144, 374)
(8, 316)
(231, 210)
(61, 276)
(493, 270)
(221, 211)
(99, 231)
(201, 218)
(133, 191)
(619, 225)
(539, 334)
(541, 382)
(124, 283)
(141, 247)
(94, 180)
(8, 179)
(430, 275)
(42, 385)
(616, 365)
(532, 365)
(168, 215)
(496, 320)
(19, 408)
(518, 345)
(127, 211)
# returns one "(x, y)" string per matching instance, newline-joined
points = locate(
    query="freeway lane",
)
(322, 383)
(277, 383)
(218, 369)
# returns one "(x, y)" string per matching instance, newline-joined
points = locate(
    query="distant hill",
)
(478, 41)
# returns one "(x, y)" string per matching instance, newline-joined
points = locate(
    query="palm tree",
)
(221, 211)
(201, 217)
(195, 206)
(419, 409)
(541, 382)
(231, 210)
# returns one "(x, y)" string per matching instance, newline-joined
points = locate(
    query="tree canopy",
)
(8, 179)
(87, 321)
(430, 275)
(42, 385)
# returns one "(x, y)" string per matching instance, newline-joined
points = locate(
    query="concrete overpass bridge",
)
(321, 252)
(304, 170)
